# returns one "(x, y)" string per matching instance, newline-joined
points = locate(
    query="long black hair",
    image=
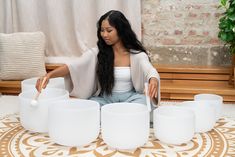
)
(105, 67)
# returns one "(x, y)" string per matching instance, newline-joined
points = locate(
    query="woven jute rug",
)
(16, 141)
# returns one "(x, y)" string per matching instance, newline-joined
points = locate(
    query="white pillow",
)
(22, 55)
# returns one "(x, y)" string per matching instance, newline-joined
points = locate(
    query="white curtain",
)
(69, 25)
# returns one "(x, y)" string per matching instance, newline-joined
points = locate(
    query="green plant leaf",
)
(226, 36)
(232, 2)
(232, 17)
(222, 36)
(222, 24)
(226, 25)
(222, 19)
(223, 2)
(229, 37)
(230, 10)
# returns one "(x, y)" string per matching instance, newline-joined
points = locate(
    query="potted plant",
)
(227, 30)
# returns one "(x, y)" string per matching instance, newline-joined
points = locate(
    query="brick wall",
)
(183, 32)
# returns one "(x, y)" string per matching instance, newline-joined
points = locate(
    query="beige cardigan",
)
(83, 82)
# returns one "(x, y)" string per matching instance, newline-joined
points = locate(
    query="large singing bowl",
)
(215, 100)
(29, 84)
(35, 118)
(125, 125)
(74, 122)
(204, 113)
(173, 125)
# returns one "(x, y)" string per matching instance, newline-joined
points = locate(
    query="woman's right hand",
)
(58, 72)
(42, 83)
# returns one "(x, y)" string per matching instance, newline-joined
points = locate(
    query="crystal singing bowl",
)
(29, 84)
(215, 100)
(204, 114)
(35, 118)
(125, 125)
(74, 122)
(173, 125)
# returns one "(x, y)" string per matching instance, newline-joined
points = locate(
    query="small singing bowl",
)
(74, 122)
(215, 100)
(35, 118)
(29, 84)
(125, 126)
(204, 113)
(173, 125)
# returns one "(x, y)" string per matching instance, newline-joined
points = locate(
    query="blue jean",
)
(131, 97)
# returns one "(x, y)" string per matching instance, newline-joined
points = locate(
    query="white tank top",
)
(122, 79)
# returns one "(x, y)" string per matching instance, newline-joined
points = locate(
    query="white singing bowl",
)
(215, 100)
(125, 125)
(205, 114)
(29, 84)
(35, 118)
(173, 124)
(74, 122)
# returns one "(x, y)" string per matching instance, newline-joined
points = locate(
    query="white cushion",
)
(22, 55)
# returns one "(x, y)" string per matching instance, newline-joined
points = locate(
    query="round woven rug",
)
(16, 141)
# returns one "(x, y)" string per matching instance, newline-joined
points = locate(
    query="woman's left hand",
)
(153, 88)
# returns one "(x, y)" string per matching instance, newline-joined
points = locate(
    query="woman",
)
(116, 72)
